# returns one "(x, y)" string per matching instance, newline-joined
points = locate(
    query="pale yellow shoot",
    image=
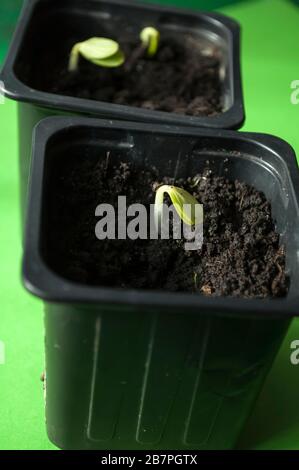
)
(187, 207)
(150, 38)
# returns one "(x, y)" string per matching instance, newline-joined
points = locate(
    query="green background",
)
(270, 51)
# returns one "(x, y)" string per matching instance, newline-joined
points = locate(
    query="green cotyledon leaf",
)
(104, 52)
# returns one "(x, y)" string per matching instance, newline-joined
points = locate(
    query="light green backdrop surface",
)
(270, 51)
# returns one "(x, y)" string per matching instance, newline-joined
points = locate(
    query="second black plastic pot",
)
(44, 29)
(129, 369)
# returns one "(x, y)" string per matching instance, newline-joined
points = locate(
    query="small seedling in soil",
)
(160, 72)
(241, 255)
(150, 38)
(180, 199)
(103, 52)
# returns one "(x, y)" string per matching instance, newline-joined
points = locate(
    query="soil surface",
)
(241, 255)
(183, 77)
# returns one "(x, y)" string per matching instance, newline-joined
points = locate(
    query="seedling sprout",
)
(103, 52)
(150, 38)
(181, 200)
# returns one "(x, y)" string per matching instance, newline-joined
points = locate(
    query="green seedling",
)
(103, 52)
(150, 38)
(181, 201)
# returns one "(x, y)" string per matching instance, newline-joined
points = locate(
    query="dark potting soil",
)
(241, 254)
(181, 78)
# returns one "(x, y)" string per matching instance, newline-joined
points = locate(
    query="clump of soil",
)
(180, 78)
(241, 255)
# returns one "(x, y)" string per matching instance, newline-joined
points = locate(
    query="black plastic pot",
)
(45, 26)
(130, 369)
